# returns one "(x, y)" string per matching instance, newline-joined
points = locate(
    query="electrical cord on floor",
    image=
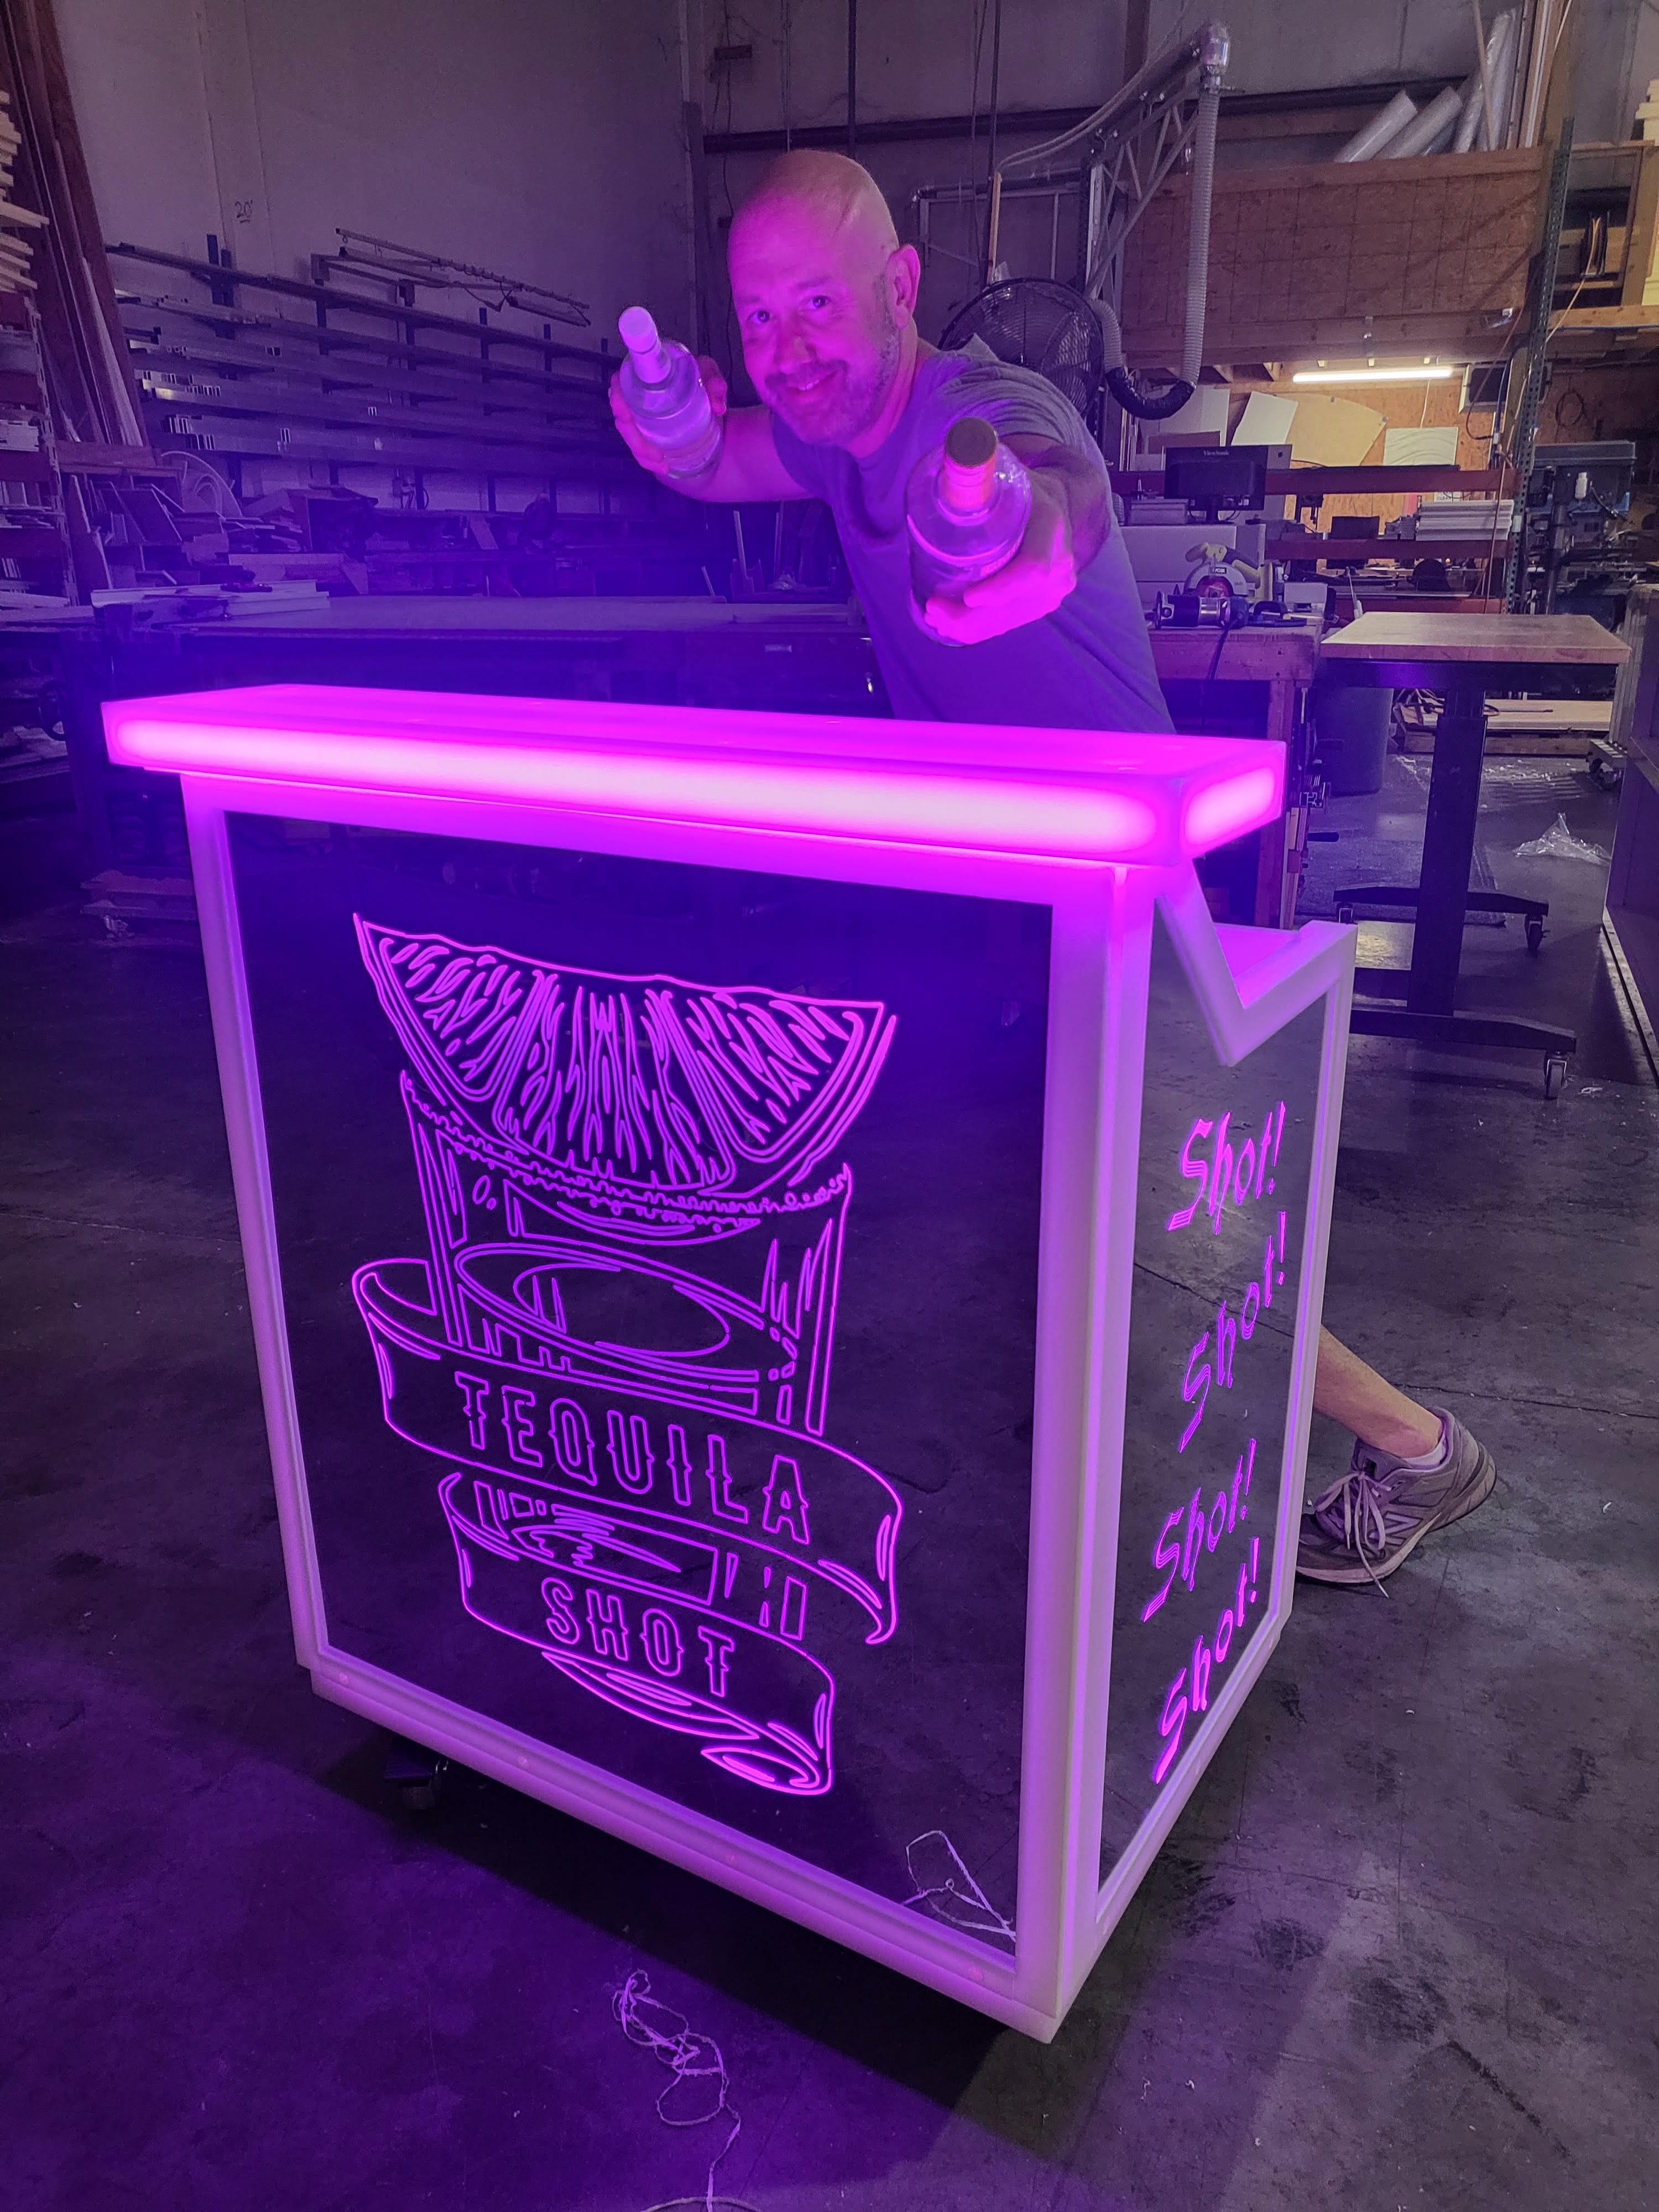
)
(668, 2036)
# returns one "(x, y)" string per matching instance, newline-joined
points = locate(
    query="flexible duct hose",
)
(1198, 245)
(1145, 408)
(1120, 380)
(1120, 383)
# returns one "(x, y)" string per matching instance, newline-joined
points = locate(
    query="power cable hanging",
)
(996, 83)
(851, 80)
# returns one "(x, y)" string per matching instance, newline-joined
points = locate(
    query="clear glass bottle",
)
(664, 389)
(967, 505)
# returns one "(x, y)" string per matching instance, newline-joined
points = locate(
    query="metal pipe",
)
(1206, 47)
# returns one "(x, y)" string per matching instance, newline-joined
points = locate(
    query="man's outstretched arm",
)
(1070, 516)
(747, 465)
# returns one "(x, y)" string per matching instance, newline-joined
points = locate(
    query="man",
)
(854, 396)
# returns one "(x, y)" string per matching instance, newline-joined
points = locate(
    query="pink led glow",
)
(1228, 810)
(704, 1531)
(1087, 795)
(1189, 1692)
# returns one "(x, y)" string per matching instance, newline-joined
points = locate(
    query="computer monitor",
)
(1217, 479)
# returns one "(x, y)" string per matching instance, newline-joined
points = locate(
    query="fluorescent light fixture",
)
(1428, 372)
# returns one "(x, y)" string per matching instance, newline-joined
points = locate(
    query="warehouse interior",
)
(309, 325)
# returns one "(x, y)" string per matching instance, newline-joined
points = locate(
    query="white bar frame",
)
(1101, 943)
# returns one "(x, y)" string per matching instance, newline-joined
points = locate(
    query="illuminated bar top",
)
(1079, 795)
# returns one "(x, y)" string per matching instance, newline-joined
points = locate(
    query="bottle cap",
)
(639, 329)
(968, 476)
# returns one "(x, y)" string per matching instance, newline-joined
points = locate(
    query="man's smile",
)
(804, 384)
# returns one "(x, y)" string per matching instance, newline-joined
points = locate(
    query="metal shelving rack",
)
(34, 538)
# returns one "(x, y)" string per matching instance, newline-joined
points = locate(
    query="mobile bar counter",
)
(785, 1256)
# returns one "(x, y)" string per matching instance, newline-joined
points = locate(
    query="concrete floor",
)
(1397, 1952)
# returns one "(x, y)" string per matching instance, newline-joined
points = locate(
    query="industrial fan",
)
(1035, 323)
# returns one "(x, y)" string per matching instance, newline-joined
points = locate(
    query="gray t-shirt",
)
(1086, 666)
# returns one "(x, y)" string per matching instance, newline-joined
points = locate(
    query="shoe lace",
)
(1354, 1512)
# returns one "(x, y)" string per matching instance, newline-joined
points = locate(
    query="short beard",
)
(862, 400)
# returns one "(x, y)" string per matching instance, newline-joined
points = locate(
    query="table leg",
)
(1448, 848)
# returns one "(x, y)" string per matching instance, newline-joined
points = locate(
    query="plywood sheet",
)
(1430, 445)
(1334, 432)
(1268, 419)
(1296, 254)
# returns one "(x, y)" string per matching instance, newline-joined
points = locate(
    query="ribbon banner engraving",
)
(618, 1344)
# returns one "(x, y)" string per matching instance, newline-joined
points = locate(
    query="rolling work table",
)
(1463, 658)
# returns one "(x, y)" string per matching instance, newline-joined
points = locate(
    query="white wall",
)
(538, 137)
(1618, 60)
(1282, 46)
(915, 58)
(1287, 46)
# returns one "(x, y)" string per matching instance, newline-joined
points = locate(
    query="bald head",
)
(835, 194)
(825, 298)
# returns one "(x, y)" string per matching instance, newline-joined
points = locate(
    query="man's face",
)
(816, 310)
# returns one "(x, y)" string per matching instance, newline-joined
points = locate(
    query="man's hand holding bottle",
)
(669, 408)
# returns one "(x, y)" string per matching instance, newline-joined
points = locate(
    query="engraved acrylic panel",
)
(658, 1248)
(1225, 1165)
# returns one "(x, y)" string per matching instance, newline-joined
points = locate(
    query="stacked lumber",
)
(15, 222)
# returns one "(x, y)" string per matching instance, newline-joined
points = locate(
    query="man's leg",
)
(1372, 1409)
(1414, 1469)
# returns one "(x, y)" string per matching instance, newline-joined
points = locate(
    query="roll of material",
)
(1500, 78)
(1502, 68)
(1439, 118)
(1472, 122)
(1385, 124)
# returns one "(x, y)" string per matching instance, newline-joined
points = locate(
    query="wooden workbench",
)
(1520, 642)
(1199, 670)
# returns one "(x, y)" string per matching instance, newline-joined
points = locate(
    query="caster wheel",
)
(1555, 1074)
(1535, 933)
(1605, 776)
(418, 1775)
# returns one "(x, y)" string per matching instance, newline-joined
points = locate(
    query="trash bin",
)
(1351, 722)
